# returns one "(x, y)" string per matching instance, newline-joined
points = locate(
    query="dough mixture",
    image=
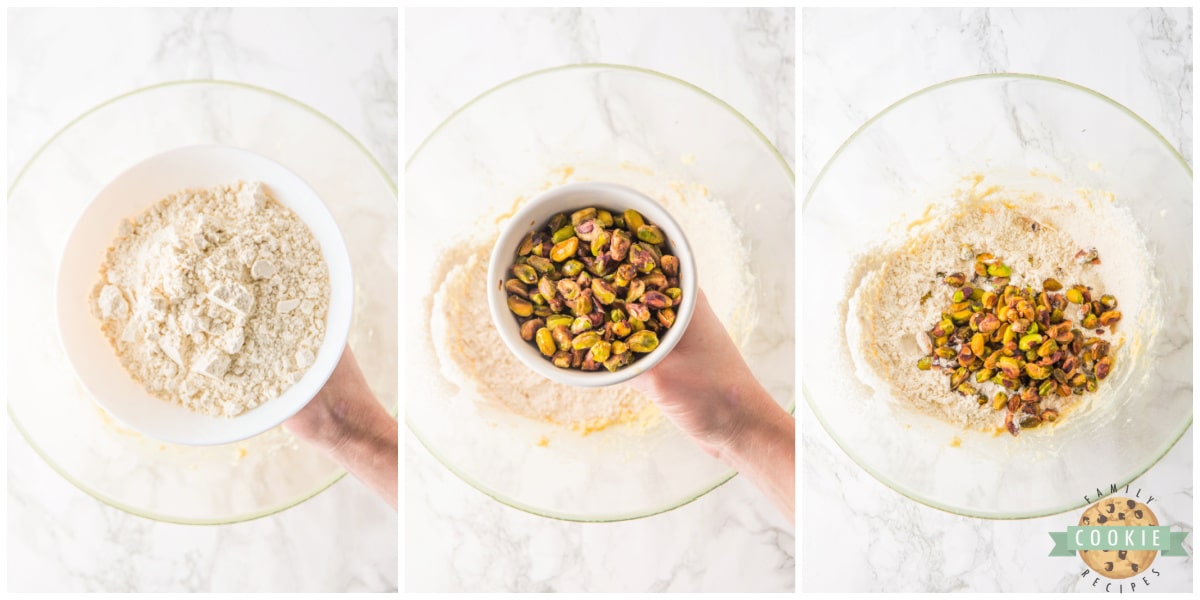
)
(214, 299)
(896, 291)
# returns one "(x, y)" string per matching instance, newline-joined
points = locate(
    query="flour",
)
(1038, 236)
(214, 299)
(472, 355)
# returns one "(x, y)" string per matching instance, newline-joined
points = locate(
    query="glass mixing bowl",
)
(186, 484)
(601, 123)
(1023, 132)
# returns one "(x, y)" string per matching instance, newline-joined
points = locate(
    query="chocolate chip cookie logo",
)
(1118, 538)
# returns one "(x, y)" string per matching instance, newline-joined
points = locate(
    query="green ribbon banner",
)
(1142, 537)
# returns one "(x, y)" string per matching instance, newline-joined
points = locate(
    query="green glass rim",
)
(812, 405)
(728, 474)
(13, 186)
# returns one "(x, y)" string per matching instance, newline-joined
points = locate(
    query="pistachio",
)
(603, 292)
(600, 351)
(562, 234)
(567, 288)
(999, 401)
(650, 234)
(638, 311)
(547, 288)
(598, 302)
(1090, 321)
(580, 325)
(514, 286)
(562, 336)
(958, 377)
(956, 279)
(1037, 371)
(1030, 341)
(666, 317)
(588, 230)
(526, 245)
(656, 300)
(616, 361)
(585, 340)
(621, 329)
(542, 265)
(599, 265)
(1109, 318)
(1052, 285)
(582, 215)
(641, 258)
(999, 270)
(520, 306)
(529, 328)
(637, 287)
(989, 323)
(619, 245)
(545, 342)
(572, 268)
(670, 265)
(1104, 367)
(600, 243)
(1047, 388)
(1087, 256)
(978, 344)
(1010, 366)
(525, 274)
(924, 363)
(554, 321)
(642, 341)
(1108, 301)
(1075, 296)
(945, 352)
(581, 305)
(633, 220)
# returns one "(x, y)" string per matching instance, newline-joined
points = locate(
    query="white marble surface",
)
(63, 62)
(860, 535)
(456, 537)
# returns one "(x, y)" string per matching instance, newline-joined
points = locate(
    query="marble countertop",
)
(64, 62)
(457, 538)
(852, 523)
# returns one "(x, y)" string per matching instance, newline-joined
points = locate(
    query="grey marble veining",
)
(856, 63)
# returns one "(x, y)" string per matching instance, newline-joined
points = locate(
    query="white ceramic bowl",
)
(569, 198)
(129, 194)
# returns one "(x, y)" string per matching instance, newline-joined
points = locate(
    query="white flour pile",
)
(214, 299)
(1036, 235)
(472, 355)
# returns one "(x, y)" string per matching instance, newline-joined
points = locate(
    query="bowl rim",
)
(808, 396)
(596, 66)
(337, 324)
(339, 472)
(614, 195)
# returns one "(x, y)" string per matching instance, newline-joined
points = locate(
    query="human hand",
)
(706, 389)
(346, 421)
